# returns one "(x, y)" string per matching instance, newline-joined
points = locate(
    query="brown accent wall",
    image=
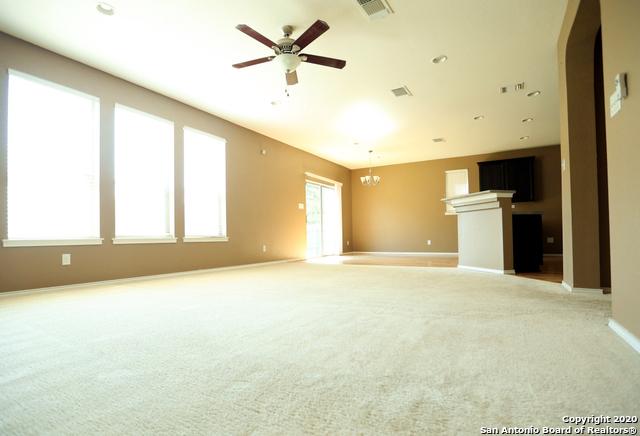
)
(263, 192)
(405, 210)
(621, 53)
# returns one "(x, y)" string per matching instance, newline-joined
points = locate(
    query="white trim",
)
(405, 253)
(194, 130)
(142, 112)
(573, 289)
(142, 278)
(625, 334)
(50, 242)
(52, 84)
(205, 239)
(162, 240)
(488, 270)
(322, 178)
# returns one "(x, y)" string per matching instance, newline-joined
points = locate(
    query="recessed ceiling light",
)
(527, 120)
(400, 92)
(524, 138)
(439, 59)
(439, 140)
(533, 93)
(105, 8)
(478, 117)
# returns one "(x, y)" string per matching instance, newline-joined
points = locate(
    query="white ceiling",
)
(184, 49)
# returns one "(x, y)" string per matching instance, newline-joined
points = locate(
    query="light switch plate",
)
(66, 259)
(550, 239)
(301, 206)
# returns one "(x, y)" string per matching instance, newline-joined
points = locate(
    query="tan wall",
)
(262, 191)
(578, 144)
(405, 210)
(621, 52)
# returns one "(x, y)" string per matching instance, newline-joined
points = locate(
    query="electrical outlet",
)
(66, 259)
(429, 242)
(348, 243)
(550, 239)
(264, 248)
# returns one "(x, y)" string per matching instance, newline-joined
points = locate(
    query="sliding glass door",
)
(323, 220)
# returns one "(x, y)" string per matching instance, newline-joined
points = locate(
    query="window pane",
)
(53, 161)
(457, 183)
(143, 174)
(204, 184)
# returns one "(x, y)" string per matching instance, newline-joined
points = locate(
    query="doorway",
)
(601, 156)
(324, 223)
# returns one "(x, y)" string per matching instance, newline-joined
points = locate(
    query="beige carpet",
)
(310, 349)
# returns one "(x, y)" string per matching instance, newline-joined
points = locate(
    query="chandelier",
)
(370, 180)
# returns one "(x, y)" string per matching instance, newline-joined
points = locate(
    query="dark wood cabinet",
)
(512, 174)
(527, 242)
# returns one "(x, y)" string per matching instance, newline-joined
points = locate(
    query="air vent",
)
(519, 86)
(439, 140)
(503, 89)
(401, 92)
(375, 9)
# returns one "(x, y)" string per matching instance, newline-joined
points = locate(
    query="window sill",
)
(205, 239)
(161, 240)
(49, 242)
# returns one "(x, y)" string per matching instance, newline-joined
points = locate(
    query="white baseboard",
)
(141, 278)
(405, 253)
(625, 334)
(488, 270)
(570, 288)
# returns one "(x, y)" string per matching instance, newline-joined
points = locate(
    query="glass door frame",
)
(321, 181)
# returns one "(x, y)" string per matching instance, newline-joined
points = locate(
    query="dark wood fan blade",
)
(321, 60)
(255, 35)
(316, 29)
(253, 62)
(292, 78)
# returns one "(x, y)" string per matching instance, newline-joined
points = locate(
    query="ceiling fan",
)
(287, 50)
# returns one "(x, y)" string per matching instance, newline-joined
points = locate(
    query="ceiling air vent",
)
(375, 9)
(439, 140)
(401, 92)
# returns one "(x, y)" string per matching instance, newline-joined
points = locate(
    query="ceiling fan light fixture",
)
(288, 61)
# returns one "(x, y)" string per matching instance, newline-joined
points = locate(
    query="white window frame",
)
(159, 239)
(449, 210)
(37, 242)
(224, 237)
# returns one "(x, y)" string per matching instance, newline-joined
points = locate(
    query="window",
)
(204, 187)
(457, 183)
(53, 156)
(143, 177)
